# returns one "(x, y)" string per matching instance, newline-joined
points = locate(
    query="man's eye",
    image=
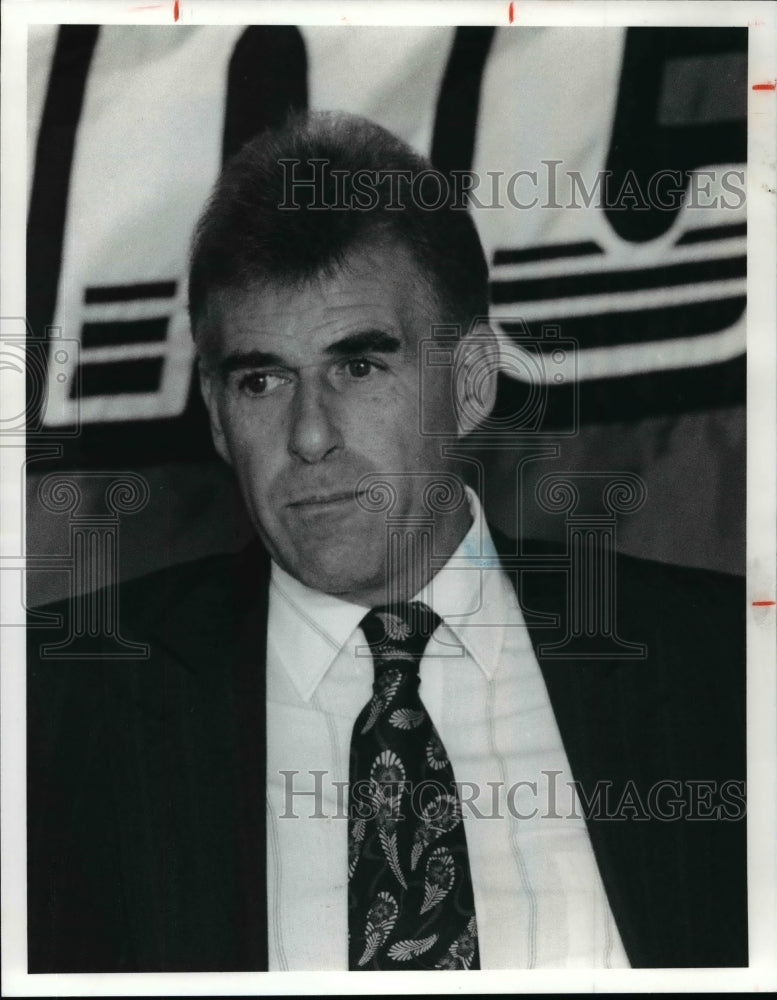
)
(260, 383)
(360, 367)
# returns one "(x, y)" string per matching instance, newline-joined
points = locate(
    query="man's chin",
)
(350, 575)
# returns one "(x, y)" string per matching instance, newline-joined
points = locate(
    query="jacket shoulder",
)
(206, 589)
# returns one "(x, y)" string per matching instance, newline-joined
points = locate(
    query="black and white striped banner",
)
(609, 191)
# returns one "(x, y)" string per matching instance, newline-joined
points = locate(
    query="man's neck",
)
(414, 558)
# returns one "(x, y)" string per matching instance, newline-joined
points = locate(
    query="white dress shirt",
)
(539, 898)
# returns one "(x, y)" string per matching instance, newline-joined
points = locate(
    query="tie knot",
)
(400, 630)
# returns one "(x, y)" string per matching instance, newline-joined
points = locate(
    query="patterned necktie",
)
(410, 902)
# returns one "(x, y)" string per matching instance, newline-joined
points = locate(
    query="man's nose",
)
(314, 429)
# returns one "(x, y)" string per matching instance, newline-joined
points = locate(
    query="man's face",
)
(311, 388)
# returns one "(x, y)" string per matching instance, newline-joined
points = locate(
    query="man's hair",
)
(243, 235)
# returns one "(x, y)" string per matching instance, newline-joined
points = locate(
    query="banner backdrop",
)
(605, 170)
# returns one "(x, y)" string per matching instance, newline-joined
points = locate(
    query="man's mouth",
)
(323, 500)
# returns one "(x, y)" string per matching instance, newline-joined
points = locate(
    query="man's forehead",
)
(375, 288)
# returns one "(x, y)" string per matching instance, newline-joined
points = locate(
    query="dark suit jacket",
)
(146, 798)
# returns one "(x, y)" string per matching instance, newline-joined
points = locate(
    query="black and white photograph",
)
(388, 460)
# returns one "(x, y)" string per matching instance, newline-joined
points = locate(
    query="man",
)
(252, 795)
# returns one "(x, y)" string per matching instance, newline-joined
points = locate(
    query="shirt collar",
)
(308, 629)
(470, 593)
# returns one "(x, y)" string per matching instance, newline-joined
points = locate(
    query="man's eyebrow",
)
(354, 343)
(239, 360)
(363, 342)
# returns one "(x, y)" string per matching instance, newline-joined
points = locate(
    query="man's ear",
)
(477, 367)
(210, 394)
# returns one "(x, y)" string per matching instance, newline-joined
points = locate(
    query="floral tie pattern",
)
(410, 901)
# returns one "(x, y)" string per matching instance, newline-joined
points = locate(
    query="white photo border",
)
(761, 19)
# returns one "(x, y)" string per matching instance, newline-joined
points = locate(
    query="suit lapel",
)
(218, 629)
(249, 671)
